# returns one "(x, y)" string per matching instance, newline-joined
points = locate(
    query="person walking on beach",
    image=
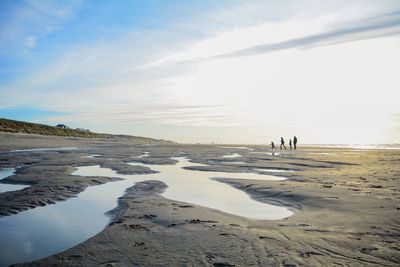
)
(290, 144)
(282, 143)
(295, 142)
(272, 146)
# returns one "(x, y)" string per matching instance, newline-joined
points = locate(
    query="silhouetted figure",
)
(290, 144)
(282, 143)
(295, 142)
(273, 148)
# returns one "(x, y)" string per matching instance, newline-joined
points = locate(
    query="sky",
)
(227, 71)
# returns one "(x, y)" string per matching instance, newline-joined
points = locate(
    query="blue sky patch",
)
(29, 114)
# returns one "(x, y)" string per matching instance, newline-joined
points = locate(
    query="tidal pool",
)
(198, 187)
(144, 155)
(66, 148)
(44, 231)
(4, 187)
(234, 155)
(92, 156)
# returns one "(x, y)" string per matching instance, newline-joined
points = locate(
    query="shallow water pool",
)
(196, 187)
(44, 231)
(234, 155)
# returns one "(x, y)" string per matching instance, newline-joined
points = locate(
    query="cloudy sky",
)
(206, 71)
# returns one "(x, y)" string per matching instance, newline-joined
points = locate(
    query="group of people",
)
(283, 144)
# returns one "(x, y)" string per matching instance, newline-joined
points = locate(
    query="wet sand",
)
(346, 203)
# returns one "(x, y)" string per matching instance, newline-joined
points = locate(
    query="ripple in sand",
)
(234, 162)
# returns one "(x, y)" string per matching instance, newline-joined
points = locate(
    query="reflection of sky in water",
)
(67, 148)
(234, 155)
(273, 153)
(48, 230)
(144, 155)
(92, 156)
(196, 187)
(9, 187)
(44, 231)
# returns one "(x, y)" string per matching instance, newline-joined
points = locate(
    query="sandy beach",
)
(346, 204)
(160, 133)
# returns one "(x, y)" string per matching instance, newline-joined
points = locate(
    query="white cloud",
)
(167, 79)
(29, 21)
